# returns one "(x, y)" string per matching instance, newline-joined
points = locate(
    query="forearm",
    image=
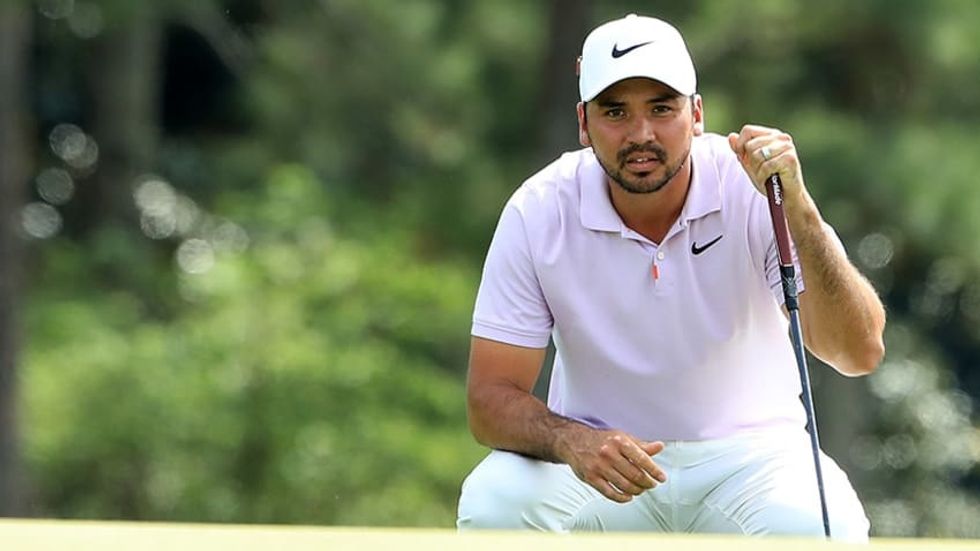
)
(508, 418)
(842, 316)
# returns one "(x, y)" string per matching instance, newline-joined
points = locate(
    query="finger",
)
(787, 166)
(784, 158)
(637, 477)
(777, 164)
(611, 492)
(644, 461)
(619, 452)
(766, 154)
(750, 146)
(750, 131)
(652, 448)
(616, 494)
(777, 143)
(733, 143)
(737, 141)
(624, 484)
(755, 147)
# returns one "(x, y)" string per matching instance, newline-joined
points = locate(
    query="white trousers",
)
(758, 483)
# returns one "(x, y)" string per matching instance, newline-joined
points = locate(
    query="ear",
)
(583, 130)
(697, 111)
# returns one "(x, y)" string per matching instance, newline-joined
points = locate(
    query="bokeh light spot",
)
(55, 186)
(894, 517)
(186, 214)
(866, 453)
(230, 237)
(158, 226)
(40, 220)
(67, 141)
(86, 21)
(87, 158)
(899, 451)
(155, 197)
(946, 276)
(876, 250)
(940, 411)
(895, 380)
(195, 256)
(55, 9)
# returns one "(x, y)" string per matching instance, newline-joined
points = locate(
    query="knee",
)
(510, 491)
(789, 521)
(845, 526)
(842, 529)
(852, 527)
(490, 499)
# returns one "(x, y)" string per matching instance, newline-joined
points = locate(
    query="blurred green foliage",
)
(300, 382)
(276, 331)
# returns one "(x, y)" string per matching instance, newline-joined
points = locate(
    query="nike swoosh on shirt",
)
(616, 52)
(698, 250)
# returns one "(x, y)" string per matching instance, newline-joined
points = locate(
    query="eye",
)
(615, 113)
(662, 109)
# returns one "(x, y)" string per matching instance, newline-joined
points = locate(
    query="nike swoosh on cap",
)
(616, 52)
(698, 250)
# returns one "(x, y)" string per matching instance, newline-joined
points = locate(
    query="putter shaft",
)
(774, 193)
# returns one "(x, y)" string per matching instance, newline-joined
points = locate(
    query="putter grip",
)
(774, 193)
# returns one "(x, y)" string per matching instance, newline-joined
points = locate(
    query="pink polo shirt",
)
(700, 351)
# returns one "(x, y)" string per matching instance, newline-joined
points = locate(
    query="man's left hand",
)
(766, 151)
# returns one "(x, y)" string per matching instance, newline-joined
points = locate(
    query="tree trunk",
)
(569, 21)
(15, 28)
(123, 65)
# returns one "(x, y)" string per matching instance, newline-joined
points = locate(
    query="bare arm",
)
(503, 414)
(843, 318)
(502, 411)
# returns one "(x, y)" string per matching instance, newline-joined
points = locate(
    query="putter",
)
(774, 193)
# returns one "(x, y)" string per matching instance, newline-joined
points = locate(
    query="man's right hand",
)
(503, 414)
(613, 462)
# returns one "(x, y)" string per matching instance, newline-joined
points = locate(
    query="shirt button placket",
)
(655, 269)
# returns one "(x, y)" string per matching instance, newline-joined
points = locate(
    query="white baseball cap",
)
(635, 46)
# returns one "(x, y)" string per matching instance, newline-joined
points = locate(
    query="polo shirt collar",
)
(597, 212)
(704, 197)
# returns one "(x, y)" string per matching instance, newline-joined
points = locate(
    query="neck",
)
(653, 214)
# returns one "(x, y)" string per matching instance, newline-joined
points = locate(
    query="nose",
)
(643, 130)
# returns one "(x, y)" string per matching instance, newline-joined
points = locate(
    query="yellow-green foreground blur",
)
(33, 535)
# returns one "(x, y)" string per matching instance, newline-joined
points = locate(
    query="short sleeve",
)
(510, 305)
(772, 268)
(764, 249)
(772, 261)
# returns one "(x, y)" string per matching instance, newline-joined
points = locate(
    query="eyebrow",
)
(613, 102)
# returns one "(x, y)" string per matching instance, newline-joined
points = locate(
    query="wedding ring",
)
(766, 153)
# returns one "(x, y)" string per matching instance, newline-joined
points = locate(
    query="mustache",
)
(648, 147)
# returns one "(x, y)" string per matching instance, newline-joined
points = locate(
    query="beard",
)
(638, 183)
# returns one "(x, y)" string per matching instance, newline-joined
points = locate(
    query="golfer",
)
(649, 257)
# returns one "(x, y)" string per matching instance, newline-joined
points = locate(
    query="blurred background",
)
(241, 239)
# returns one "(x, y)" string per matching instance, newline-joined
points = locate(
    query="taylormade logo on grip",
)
(777, 191)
